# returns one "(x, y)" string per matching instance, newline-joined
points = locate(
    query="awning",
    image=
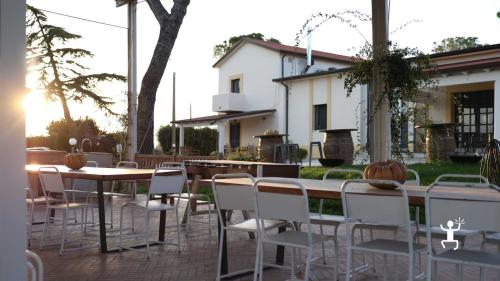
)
(212, 119)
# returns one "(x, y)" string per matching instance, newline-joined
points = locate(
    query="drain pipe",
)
(286, 96)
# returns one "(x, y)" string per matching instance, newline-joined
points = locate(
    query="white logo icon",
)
(450, 231)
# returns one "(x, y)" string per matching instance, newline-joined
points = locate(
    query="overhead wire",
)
(84, 19)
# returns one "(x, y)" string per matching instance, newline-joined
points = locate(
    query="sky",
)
(208, 23)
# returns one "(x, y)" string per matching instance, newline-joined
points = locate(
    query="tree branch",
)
(158, 10)
(179, 9)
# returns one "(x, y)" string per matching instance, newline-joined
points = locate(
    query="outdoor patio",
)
(198, 260)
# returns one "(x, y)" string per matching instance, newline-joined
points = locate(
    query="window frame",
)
(320, 111)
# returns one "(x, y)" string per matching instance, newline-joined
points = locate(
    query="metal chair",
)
(232, 198)
(160, 184)
(472, 211)
(52, 185)
(387, 208)
(285, 207)
(35, 266)
(331, 220)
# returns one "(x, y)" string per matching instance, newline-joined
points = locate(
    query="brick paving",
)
(198, 260)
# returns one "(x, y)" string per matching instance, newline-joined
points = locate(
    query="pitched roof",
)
(284, 49)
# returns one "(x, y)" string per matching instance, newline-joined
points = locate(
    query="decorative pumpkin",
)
(386, 170)
(75, 161)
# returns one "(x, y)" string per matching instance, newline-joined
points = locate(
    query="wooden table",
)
(331, 189)
(107, 174)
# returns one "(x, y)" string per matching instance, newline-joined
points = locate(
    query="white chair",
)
(386, 208)
(439, 211)
(31, 202)
(233, 198)
(285, 207)
(332, 220)
(160, 184)
(52, 185)
(201, 199)
(81, 188)
(131, 186)
(35, 266)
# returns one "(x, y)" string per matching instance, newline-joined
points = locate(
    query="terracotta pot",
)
(75, 161)
(386, 170)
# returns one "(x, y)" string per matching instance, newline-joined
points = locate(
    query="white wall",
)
(12, 141)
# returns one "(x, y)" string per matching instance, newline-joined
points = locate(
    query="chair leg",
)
(349, 265)
(82, 226)
(64, 221)
(292, 265)
(133, 222)
(261, 263)
(373, 254)
(46, 227)
(178, 232)
(219, 262)
(385, 267)
(147, 234)
(429, 269)
(111, 211)
(30, 222)
(308, 264)
(411, 266)
(257, 262)
(322, 244)
(209, 215)
(120, 239)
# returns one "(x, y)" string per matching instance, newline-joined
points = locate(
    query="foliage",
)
(455, 43)
(61, 75)
(243, 155)
(222, 48)
(490, 164)
(405, 70)
(302, 154)
(201, 139)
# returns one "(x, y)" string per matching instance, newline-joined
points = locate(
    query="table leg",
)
(163, 218)
(280, 250)
(223, 268)
(102, 216)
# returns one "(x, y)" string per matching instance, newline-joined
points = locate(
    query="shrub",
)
(202, 139)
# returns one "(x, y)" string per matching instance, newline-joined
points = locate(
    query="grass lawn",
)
(427, 173)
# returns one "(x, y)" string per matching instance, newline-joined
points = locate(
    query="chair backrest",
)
(444, 180)
(232, 196)
(347, 172)
(278, 206)
(82, 184)
(35, 266)
(127, 164)
(442, 209)
(167, 183)
(51, 181)
(415, 174)
(388, 207)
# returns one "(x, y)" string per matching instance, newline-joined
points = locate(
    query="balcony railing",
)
(228, 102)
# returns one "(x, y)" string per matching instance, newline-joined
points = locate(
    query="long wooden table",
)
(331, 189)
(100, 175)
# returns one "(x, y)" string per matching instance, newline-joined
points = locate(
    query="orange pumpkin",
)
(75, 161)
(386, 170)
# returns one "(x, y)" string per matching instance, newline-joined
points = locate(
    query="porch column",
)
(181, 139)
(221, 128)
(12, 141)
(496, 106)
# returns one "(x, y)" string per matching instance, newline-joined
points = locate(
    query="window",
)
(320, 117)
(235, 86)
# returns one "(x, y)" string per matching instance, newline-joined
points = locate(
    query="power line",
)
(84, 19)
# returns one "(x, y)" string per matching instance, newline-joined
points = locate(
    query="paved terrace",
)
(198, 260)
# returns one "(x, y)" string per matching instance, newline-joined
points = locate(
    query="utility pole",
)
(174, 143)
(380, 130)
(132, 80)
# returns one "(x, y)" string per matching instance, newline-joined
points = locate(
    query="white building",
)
(255, 77)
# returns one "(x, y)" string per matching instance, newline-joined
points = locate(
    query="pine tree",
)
(61, 76)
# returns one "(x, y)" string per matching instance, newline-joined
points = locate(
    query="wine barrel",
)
(338, 145)
(440, 142)
(266, 146)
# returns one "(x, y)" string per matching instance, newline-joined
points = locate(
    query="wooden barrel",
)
(266, 146)
(440, 142)
(338, 145)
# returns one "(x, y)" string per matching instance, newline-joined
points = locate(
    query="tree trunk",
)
(169, 28)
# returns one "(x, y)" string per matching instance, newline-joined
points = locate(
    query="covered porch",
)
(228, 127)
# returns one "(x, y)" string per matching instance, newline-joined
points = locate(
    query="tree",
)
(221, 49)
(455, 43)
(170, 23)
(61, 76)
